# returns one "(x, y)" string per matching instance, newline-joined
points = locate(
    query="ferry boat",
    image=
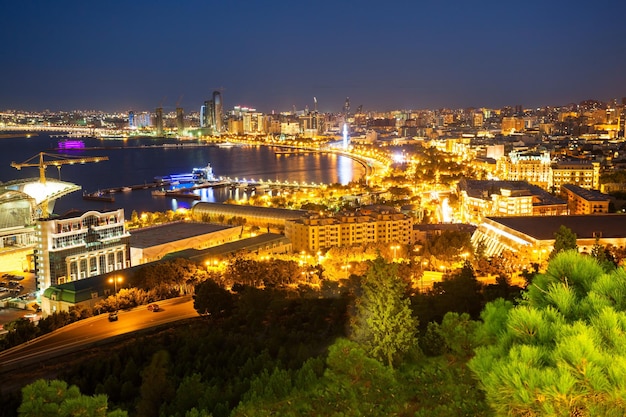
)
(159, 193)
(196, 176)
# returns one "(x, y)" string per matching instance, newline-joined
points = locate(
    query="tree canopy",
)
(383, 324)
(562, 350)
(56, 399)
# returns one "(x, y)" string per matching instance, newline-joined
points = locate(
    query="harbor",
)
(184, 185)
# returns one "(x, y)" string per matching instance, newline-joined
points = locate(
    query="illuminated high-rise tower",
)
(217, 112)
(203, 114)
(131, 119)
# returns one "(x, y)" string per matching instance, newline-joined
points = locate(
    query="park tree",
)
(564, 239)
(56, 399)
(383, 324)
(212, 300)
(562, 350)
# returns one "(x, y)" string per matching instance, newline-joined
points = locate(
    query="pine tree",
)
(562, 351)
(564, 239)
(384, 325)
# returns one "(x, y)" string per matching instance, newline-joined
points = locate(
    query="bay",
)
(140, 160)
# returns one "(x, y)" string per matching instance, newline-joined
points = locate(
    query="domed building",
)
(22, 202)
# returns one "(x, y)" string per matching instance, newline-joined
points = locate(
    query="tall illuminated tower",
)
(203, 114)
(217, 111)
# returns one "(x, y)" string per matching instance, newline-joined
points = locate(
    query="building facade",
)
(585, 174)
(481, 198)
(584, 201)
(80, 245)
(533, 167)
(314, 232)
(536, 234)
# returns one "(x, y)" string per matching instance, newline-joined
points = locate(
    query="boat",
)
(180, 194)
(159, 193)
(225, 145)
(99, 196)
(126, 189)
(197, 176)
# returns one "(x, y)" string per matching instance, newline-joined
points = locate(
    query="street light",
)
(395, 248)
(346, 267)
(115, 280)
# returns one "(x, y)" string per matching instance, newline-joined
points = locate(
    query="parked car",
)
(113, 316)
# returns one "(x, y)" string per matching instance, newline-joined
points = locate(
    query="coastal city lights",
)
(251, 209)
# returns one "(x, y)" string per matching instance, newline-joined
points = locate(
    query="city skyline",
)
(273, 57)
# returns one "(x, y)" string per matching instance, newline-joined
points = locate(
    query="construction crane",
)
(54, 160)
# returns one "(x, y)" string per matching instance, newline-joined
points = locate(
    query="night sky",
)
(272, 55)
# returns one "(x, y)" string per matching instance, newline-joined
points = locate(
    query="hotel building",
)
(80, 245)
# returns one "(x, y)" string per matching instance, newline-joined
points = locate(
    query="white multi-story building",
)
(80, 245)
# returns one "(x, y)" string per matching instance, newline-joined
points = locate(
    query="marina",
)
(240, 172)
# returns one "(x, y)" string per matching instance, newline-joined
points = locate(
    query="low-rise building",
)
(153, 243)
(482, 198)
(537, 233)
(264, 217)
(583, 201)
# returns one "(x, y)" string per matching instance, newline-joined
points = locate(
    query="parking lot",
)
(19, 288)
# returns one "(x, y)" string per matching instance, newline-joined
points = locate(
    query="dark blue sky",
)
(272, 55)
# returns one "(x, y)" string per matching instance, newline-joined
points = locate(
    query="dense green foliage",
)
(564, 239)
(209, 364)
(562, 351)
(383, 324)
(55, 399)
(281, 350)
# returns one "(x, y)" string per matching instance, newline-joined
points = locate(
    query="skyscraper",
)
(211, 115)
(217, 112)
(158, 122)
(180, 120)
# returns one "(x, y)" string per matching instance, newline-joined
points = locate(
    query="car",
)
(113, 316)
(153, 307)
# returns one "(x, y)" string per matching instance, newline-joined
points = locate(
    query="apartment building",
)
(314, 232)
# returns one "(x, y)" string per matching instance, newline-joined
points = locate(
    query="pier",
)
(108, 194)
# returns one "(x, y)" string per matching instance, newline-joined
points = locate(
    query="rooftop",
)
(585, 226)
(171, 232)
(589, 195)
(250, 244)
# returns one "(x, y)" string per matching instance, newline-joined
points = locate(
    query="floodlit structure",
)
(80, 245)
(537, 233)
(315, 232)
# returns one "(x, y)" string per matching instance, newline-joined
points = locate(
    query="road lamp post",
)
(115, 280)
(395, 248)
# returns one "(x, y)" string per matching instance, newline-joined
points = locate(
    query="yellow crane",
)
(53, 160)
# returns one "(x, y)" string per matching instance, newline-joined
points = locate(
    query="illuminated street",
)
(94, 330)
